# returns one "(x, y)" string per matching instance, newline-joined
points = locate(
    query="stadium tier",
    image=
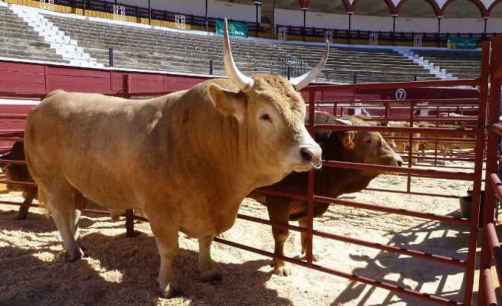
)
(144, 47)
(462, 64)
(141, 47)
(19, 41)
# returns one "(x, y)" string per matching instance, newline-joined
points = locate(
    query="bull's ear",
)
(348, 140)
(228, 102)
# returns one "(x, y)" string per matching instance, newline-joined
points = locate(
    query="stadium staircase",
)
(463, 64)
(18, 41)
(61, 43)
(433, 69)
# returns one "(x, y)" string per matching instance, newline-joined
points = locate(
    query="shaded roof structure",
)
(412, 8)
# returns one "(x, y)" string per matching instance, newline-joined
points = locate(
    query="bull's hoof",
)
(21, 216)
(212, 276)
(75, 255)
(282, 271)
(168, 291)
(303, 256)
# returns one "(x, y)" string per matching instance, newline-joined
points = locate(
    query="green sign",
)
(456, 42)
(235, 28)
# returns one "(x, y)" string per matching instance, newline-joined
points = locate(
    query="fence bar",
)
(466, 176)
(405, 85)
(415, 193)
(397, 211)
(333, 127)
(393, 249)
(20, 183)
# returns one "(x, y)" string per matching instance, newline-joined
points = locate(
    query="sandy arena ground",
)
(122, 271)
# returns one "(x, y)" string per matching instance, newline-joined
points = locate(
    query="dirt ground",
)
(122, 271)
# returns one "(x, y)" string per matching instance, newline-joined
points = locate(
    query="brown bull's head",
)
(273, 113)
(359, 146)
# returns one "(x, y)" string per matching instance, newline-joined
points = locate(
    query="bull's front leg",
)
(167, 243)
(278, 210)
(306, 240)
(208, 272)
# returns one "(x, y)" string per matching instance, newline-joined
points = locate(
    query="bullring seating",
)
(141, 47)
(19, 41)
(463, 64)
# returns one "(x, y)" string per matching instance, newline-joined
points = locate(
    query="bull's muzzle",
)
(312, 155)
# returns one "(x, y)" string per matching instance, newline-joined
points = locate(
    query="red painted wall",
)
(39, 79)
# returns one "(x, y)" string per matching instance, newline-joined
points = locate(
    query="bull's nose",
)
(307, 154)
(399, 161)
(312, 155)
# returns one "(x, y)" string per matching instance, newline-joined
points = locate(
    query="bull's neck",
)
(211, 147)
(336, 181)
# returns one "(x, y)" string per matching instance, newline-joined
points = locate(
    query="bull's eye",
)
(368, 141)
(266, 117)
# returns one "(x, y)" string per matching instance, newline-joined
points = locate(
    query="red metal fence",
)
(491, 251)
(451, 129)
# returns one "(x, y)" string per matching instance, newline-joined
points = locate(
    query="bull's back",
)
(88, 141)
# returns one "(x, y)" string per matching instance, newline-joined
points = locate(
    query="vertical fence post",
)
(288, 71)
(410, 146)
(311, 181)
(110, 57)
(211, 67)
(478, 171)
(485, 294)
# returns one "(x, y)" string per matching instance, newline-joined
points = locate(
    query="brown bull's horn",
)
(343, 121)
(244, 82)
(304, 80)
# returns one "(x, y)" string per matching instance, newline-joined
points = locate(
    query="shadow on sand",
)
(117, 271)
(432, 237)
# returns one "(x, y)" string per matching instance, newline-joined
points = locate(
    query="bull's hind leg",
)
(25, 206)
(206, 265)
(62, 201)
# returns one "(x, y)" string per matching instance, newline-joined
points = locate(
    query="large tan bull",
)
(186, 159)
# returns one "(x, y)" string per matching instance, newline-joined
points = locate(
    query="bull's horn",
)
(244, 82)
(304, 80)
(343, 121)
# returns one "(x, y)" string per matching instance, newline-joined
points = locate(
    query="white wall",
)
(329, 21)
(288, 17)
(494, 25)
(232, 10)
(409, 24)
(189, 7)
(371, 23)
(216, 8)
(462, 25)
